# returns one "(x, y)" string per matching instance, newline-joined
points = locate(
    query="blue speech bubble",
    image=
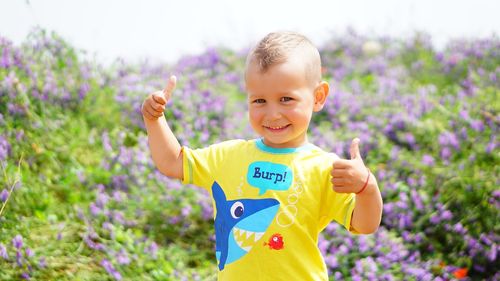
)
(267, 175)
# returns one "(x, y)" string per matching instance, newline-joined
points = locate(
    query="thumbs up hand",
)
(350, 176)
(154, 105)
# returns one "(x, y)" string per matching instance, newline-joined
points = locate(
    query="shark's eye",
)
(237, 210)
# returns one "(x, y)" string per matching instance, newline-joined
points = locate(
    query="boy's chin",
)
(281, 143)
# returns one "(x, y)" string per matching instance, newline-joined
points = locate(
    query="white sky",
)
(165, 30)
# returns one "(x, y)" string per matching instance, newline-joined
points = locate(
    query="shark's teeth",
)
(258, 235)
(247, 249)
(245, 238)
(239, 243)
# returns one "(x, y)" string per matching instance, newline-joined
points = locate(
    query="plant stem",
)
(18, 178)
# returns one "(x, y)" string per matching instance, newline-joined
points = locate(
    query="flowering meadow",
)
(81, 200)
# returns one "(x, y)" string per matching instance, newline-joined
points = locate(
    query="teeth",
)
(258, 235)
(276, 128)
(239, 243)
(244, 238)
(247, 249)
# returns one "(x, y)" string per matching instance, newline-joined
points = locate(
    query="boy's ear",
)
(320, 94)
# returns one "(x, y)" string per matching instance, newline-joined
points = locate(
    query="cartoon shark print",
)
(239, 224)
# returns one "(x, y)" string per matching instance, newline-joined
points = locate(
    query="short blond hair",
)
(277, 47)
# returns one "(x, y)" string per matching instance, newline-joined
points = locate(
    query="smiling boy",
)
(272, 195)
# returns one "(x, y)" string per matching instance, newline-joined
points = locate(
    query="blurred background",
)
(80, 199)
(165, 30)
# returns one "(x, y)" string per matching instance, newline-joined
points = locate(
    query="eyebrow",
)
(290, 93)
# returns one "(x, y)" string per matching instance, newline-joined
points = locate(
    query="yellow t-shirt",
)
(270, 206)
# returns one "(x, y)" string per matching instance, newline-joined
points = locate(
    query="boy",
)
(273, 195)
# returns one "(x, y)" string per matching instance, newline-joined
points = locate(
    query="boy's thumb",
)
(355, 149)
(167, 92)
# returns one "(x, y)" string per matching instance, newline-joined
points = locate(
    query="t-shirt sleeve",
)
(338, 207)
(201, 166)
(335, 206)
(196, 166)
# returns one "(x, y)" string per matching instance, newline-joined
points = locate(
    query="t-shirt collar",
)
(262, 146)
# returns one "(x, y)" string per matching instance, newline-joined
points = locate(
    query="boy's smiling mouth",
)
(277, 128)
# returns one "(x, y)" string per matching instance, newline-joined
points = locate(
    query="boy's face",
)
(281, 102)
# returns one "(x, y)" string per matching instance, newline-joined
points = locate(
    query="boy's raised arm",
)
(352, 176)
(165, 149)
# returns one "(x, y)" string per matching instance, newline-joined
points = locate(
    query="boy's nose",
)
(274, 113)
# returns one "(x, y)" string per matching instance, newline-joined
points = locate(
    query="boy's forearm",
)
(368, 209)
(165, 148)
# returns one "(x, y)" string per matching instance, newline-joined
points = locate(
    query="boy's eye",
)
(285, 99)
(259, 101)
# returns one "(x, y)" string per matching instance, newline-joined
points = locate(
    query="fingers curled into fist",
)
(154, 105)
(350, 175)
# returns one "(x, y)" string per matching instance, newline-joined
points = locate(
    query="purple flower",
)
(91, 244)
(446, 215)
(118, 217)
(207, 209)
(152, 250)
(417, 200)
(496, 194)
(428, 160)
(102, 200)
(94, 210)
(323, 245)
(42, 263)
(84, 89)
(446, 153)
(4, 148)
(420, 273)
(186, 210)
(492, 254)
(477, 125)
(17, 242)
(4, 195)
(29, 253)
(106, 142)
(118, 196)
(19, 258)
(464, 114)
(3, 252)
(449, 139)
(175, 220)
(435, 219)
(412, 182)
(458, 228)
(120, 182)
(122, 257)
(410, 139)
(110, 269)
(5, 61)
(332, 261)
(489, 148)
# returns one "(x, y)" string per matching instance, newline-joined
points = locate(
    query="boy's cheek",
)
(253, 115)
